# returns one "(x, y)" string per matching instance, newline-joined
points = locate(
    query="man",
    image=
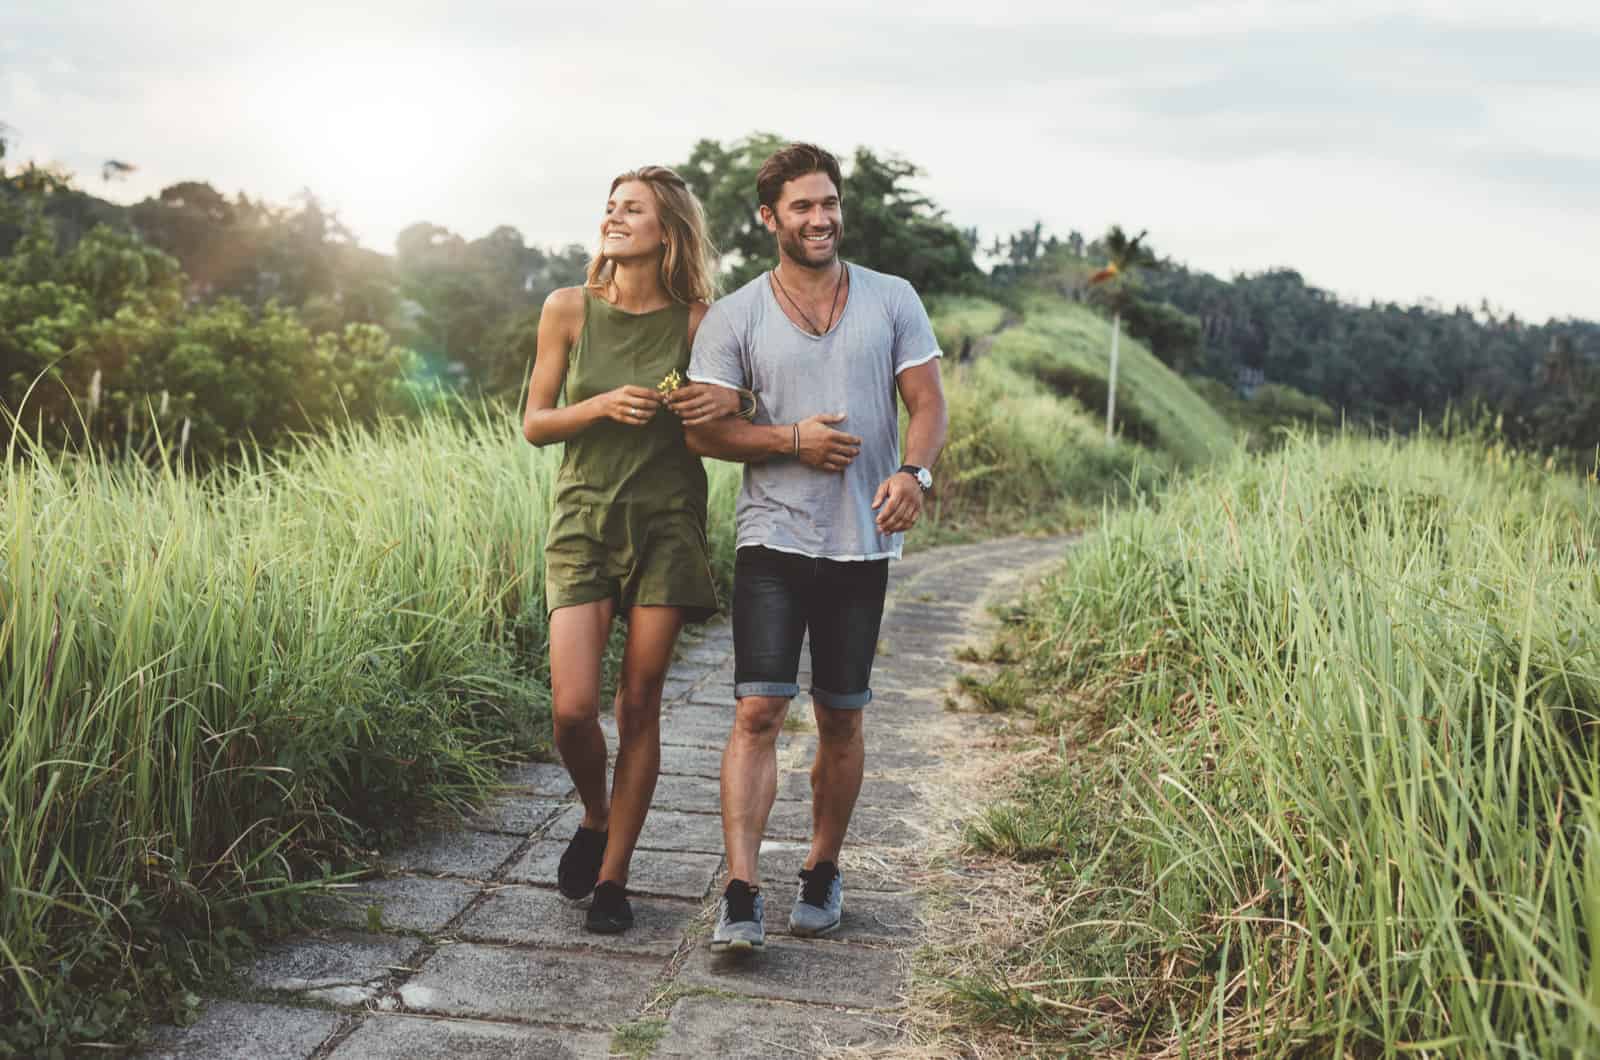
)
(825, 346)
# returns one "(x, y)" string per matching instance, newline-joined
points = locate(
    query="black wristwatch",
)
(923, 476)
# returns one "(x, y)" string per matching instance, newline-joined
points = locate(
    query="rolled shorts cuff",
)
(841, 700)
(777, 689)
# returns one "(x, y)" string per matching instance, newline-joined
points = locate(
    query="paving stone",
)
(408, 903)
(868, 825)
(795, 785)
(516, 984)
(864, 869)
(474, 855)
(674, 689)
(403, 1037)
(533, 916)
(868, 916)
(547, 779)
(691, 761)
(408, 1036)
(663, 830)
(820, 972)
(334, 960)
(681, 727)
(520, 815)
(698, 794)
(700, 1027)
(654, 872)
(244, 1029)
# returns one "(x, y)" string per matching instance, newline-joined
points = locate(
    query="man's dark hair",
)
(795, 160)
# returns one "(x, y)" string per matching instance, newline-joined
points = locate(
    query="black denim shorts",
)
(779, 597)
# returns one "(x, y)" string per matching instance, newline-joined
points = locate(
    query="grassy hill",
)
(1067, 346)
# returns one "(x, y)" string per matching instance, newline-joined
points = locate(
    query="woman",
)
(628, 531)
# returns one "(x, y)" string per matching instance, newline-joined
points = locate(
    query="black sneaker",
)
(740, 916)
(580, 865)
(609, 913)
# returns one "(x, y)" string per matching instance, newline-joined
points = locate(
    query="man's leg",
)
(835, 780)
(750, 781)
(652, 632)
(768, 626)
(844, 620)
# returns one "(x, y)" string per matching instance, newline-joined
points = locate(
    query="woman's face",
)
(632, 226)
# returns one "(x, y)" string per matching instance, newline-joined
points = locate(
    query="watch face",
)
(924, 479)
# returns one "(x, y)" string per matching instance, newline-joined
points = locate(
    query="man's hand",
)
(898, 502)
(825, 448)
(697, 403)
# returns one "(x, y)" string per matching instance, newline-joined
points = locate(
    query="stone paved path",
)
(464, 949)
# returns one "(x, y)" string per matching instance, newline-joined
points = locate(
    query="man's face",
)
(807, 221)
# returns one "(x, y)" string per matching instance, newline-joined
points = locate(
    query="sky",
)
(1412, 152)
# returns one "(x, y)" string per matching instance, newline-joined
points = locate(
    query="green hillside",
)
(1066, 345)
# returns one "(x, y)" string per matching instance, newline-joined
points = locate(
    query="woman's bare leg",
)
(652, 633)
(577, 644)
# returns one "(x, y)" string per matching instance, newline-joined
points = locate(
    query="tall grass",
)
(210, 687)
(1328, 782)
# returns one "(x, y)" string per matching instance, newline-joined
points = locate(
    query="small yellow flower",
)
(672, 382)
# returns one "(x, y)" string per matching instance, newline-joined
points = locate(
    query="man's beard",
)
(797, 250)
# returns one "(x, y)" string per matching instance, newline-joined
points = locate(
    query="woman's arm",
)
(543, 421)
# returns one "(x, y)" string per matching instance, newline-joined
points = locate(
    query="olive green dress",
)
(629, 521)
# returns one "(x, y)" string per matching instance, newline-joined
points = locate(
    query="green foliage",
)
(959, 320)
(98, 344)
(219, 688)
(888, 225)
(1064, 345)
(1269, 415)
(1326, 783)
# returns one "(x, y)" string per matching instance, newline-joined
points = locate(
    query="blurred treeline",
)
(1269, 348)
(203, 322)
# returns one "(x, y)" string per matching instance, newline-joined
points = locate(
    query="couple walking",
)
(795, 375)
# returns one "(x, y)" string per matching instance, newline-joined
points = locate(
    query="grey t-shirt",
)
(746, 340)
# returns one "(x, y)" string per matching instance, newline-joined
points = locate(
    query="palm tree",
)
(1126, 256)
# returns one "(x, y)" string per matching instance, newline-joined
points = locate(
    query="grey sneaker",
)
(820, 903)
(739, 920)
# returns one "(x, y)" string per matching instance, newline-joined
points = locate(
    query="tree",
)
(1126, 256)
(888, 225)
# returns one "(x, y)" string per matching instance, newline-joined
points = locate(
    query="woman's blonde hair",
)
(687, 270)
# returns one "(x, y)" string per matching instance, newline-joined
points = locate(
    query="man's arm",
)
(813, 441)
(898, 501)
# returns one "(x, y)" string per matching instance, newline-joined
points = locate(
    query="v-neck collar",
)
(849, 299)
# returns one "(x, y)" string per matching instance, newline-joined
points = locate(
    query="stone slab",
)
(520, 815)
(869, 825)
(546, 779)
(653, 872)
(531, 985)
(340, 959)
(696, 794)
(795, 785)
(680, 728)
(407, 903)
(868, 916)
(700, 1027)
(474, 855)
(534, 916)
(691, 761)
(244, 1029)
(663, 830)
(864, 870)
(403, 1037)
(818, 972)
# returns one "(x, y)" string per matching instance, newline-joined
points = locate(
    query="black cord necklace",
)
(833, 305)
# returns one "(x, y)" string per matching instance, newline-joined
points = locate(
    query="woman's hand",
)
(697, 403)
(633, 405)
